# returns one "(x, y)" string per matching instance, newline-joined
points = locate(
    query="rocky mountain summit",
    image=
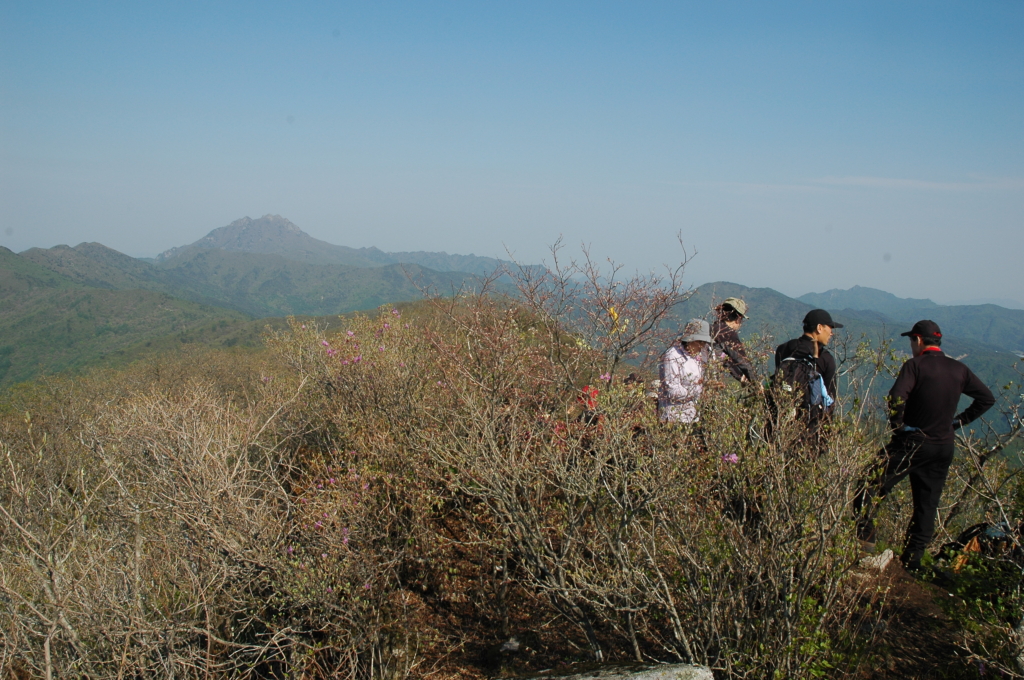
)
(276, 235)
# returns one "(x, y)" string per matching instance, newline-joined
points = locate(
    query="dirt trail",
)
(912, 637)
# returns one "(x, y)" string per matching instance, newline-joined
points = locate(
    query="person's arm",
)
(983, 400)
(829, 374)
(779, 356)
(899, 394)
(738, 364)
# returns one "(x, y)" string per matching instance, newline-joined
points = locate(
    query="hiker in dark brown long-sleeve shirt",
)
(922, 406)
(727, 344)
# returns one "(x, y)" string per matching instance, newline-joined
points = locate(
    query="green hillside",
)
(253, 283)
(270, 285)
(18, 274)
(96, 266)
(47, 330)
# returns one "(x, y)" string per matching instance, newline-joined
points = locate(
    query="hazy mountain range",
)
(66, 307)
(274, 235)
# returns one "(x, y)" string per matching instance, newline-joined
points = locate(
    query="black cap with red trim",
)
(925, 329)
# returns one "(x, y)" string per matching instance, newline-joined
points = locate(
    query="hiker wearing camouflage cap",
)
(727, 344)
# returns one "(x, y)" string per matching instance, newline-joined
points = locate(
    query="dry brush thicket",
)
(276, 514)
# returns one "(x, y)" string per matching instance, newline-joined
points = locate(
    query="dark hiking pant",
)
(927, 465)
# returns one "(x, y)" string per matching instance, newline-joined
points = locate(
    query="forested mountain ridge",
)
(268, 267)
(275, 235)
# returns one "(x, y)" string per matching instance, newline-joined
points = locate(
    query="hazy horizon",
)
(796, 146)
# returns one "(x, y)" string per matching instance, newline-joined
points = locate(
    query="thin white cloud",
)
(989, 184)
(751, 186)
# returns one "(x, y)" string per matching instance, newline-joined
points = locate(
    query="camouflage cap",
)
(739, 305)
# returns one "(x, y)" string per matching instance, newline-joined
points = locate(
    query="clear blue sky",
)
(802, 146)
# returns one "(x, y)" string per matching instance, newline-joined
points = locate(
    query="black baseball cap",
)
(924, 329)
(820, 316)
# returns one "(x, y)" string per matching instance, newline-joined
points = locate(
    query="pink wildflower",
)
(396, 312)
(350, 334)
(731, 458)
(606, 376)
(325, 343)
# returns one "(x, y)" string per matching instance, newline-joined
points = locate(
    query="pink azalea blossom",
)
(731, 458)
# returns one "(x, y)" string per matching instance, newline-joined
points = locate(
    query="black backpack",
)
(800, 375)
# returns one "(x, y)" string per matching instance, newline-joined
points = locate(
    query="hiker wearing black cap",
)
(727, 344)
(922, 405)
(810, 348)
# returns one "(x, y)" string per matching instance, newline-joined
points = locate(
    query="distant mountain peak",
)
(863, 298)
(270, 233)
(275, 235)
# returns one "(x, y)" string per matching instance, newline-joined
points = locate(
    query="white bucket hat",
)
(697, 330)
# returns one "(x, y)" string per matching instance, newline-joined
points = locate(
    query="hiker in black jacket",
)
(818, 327)
(922, 405)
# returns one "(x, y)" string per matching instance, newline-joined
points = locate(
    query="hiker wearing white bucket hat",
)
(682, 373)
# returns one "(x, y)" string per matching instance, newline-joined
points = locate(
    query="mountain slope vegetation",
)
(51, 323)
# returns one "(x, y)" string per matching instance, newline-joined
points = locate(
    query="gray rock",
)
(511, 645)
(877, 562)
